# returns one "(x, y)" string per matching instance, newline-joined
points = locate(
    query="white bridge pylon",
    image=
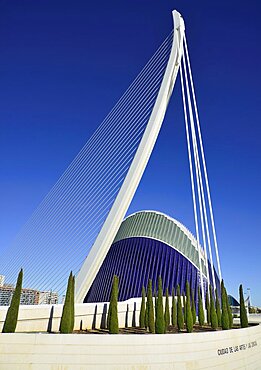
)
(178, 60)
(110, 227)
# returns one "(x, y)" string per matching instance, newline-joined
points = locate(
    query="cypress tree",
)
(224, 314)
(142, 309)
(213, 314)
(113, 324)
(108, 316)
(208, 308)
(12, 312)
(201, 316)
(66, 319)
(155, 302)
(180, 318)
(193, 308)
(160, 322)
(189, 322)
(230, 316)
(151, 321)
(218, 309)
(243, 313)
(110, 306)
(146, 314)
(72, 303)
(167, 315)
(184, 307)
(174, 309)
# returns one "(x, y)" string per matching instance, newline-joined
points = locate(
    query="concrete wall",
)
(224, 350)
(232, 349)
(87, 315)
(42, 318)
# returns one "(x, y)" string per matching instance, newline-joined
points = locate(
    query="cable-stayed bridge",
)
(75, 224)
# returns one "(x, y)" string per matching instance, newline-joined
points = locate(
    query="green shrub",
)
(213, 314)
(189, 322)
(201, 316)
(155, 303)
(66, 319)
(113, 324)
(146, 314)
(229, 311)
(12, 312)
(113, 290)
(243, 313)
(224, 313)
(167, 315)
(184, 307)
(174, 309)
(218, 309)
(72, 304)
(208, 308)
(160, 322)
(180, 318)
(142, 309)
(193, 308)
(151, 320)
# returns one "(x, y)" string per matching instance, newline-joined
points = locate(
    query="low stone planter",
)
(231, 349)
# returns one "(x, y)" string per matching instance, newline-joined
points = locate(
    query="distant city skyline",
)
(65, 65)
(29, 296)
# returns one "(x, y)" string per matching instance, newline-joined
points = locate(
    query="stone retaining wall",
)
(40, 318)
(225, 350)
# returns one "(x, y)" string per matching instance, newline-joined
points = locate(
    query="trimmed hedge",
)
(184, 308)
(180, 318)
(66, 319)
(193, 308)
(12, 312)
(208, 307)
(151, 320)
(218, 309)
(160, 322)
(224, 314)
(189, 321)
(166, 314)
(72, 304)
(113, 324)
(243, 313)
(174, 309)
(142, 308)
(201, 316)
(213, 314)
(230, 316)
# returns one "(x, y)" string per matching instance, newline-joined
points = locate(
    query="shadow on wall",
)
(104, 316)
(50, 321)
(94, 317)
(134, 315)
(127, 316)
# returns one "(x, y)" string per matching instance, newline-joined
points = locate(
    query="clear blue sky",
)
(64, 64)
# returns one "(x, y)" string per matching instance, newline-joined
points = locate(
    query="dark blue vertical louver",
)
(135, 261)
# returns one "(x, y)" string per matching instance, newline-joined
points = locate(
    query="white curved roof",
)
(159, 226)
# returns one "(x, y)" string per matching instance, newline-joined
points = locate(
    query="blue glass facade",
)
(135, 261)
